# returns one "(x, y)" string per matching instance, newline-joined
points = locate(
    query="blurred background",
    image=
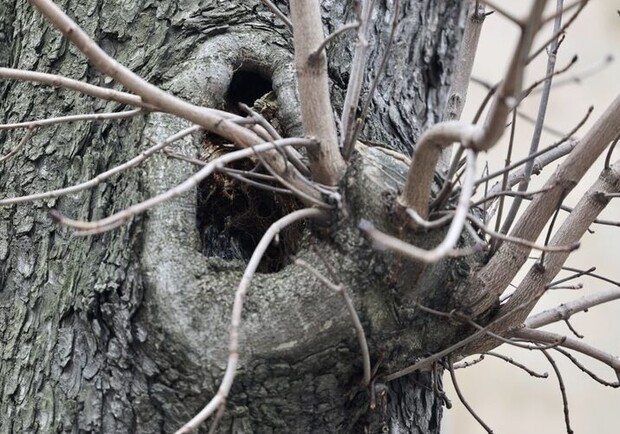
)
(507, 398)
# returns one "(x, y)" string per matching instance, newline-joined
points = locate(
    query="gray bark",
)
(127, 331)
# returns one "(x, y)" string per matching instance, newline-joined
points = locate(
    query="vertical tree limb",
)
(326, 163)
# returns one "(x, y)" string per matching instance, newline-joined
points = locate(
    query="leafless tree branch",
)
(326, 163)
(233, 348)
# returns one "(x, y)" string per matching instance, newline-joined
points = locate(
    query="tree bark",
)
(127, 331)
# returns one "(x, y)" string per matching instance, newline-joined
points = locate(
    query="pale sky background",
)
(508, 399)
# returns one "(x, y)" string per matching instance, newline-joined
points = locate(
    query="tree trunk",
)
(128, 331)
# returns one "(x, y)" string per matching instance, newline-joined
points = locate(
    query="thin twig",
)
(185, 186)
(471, 411)
(273, 8)
(545, 337)
(571, 277)
(427, 361)
(592, 375)
(517, 364)
(102, 176)
(558, 375)
(468, 363)
(72, 118)
(558, 32)
(29, 133)
(592, 274)
(540, 120)
(79, 86)
(446, 247)
(218, 418)
(334, 35)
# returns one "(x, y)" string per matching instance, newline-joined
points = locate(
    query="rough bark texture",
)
(127, 331)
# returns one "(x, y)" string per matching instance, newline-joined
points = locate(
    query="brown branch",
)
(102, 176)
(558, 375)
(446, 247)
(580, 346)
(417, 189)
(122, 216)
(212, 120)
(317, 115)
(494, 277)
(471, 411)
(566, 310)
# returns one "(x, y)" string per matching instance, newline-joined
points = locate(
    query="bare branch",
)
(356, 79)
(566, 248)
(591, 374)
(122, 216)
(445, 248)
(273, 8)
(558, 375)
(471, 411)
(510, 258)
(580, 346)
(72, 118)
(558, 32)
(416, 193)
(540, 119)
(468, 363)
(517, 364)
(212, 120)
(566, 310)
(102, 176)
(467, 54)
(21, 143)
(565, 142)
(326, 163)
(591, 273)
(240, 294)
(79, 86)
(334, 35)
(532, 287)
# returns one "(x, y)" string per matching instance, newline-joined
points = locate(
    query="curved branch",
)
(445, 248)
(240, 294)
(122, 216)
(417, 189)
